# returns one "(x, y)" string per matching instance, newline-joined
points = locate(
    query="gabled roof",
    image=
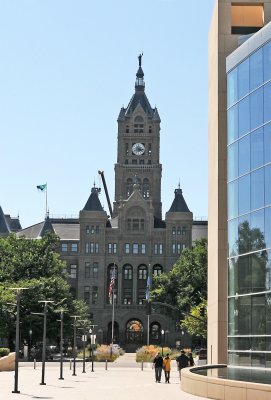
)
(139, 98)
(4, 227)
(93, 203)
(179, 204)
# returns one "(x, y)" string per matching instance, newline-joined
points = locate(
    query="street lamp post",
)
(45, 302)
(17, 339)
(162, 333)
(92, 341)
(74, 343)
(61, 342)
(84, 339)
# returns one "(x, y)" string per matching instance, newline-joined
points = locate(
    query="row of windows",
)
(135, 161)
(91, 296)
(144, 187)
(250, 152)
(250, 192)
(91, 271)
(250, 113)
(138, 128)
(178, 231)
(65, 247)
(92, 248)
(250, 74)
(250, 232)
(250, 273)
(92, 229)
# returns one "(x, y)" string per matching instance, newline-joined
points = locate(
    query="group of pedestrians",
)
(159, 363)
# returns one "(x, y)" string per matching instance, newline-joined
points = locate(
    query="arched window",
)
(138, 119)
(129, 187)
(146, 188)
(157, 270)
(174, 230)
(142, 272)
(128, 272)
(155, 330)
(178, 230)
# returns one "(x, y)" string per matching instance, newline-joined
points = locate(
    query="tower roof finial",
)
(140, 59)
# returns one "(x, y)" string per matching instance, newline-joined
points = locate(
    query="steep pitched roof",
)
(4, 227)
(93, 203)
(139, 98)
(47, 227)
(179, 204)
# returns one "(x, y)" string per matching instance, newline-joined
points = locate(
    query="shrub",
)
(105, 352)
(147, 353)
(4, 351)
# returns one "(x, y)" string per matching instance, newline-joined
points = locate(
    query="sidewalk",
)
(117, 383)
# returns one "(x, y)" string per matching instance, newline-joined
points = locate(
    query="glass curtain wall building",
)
(249, 202)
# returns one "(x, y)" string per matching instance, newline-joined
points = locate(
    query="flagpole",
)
(46, 208)
(113, 308)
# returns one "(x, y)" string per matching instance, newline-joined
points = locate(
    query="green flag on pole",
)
(42, 187)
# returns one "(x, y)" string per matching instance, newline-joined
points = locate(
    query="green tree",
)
(196, 323)
(36, 265)
(185, 285)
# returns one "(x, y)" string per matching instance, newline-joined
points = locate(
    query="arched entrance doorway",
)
(134, 332)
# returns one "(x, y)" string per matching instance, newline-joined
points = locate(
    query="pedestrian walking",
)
(166, 367)
(158, 366)
(190, 360)
(182, 362)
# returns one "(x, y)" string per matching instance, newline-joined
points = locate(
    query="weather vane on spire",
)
(139, 58)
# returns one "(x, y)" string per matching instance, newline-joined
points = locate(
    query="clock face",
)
(138, 149)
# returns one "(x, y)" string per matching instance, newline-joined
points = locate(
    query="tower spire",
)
(140, 84)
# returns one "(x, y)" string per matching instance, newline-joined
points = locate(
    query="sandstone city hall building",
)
(134, 239)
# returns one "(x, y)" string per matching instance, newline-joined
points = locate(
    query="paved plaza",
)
(121, 381)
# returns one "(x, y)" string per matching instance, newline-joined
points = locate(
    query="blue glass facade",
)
(249, 210)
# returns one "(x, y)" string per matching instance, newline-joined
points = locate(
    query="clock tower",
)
(138, 159)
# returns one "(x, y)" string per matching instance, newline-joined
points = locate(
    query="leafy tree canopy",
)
(34, 264)
(185, 285)
(195, 323)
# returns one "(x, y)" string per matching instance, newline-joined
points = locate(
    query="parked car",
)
(201, 357)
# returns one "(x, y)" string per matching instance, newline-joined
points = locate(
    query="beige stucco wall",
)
(221, 44)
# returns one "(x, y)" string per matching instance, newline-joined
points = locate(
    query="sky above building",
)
(66, 69)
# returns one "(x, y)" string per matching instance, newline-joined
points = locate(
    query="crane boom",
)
(106, 192)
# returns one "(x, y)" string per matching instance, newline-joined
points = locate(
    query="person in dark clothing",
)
(190, 360)
(182, 362)
(158, 365)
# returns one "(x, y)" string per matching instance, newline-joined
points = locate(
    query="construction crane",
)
(106, 193)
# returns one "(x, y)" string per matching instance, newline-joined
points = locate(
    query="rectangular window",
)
(64, 247)
(141, 162)
(97, 229)
(246, 18)
(143, 248)
(161, 248)
(92, 229)
(94, 294)
(134, 162)
(73, 271)
(155, 248)
(135, 248)
(141, 296)
(87, 294)
(87, 270)
(149, 149)
(127, 248)
(96, 248)
(173, 248)
(91, 247)
(87, 248)
(95, 270)
(127, 298)
(87, 229)
(74, 247)
(114, 248)
(179, 248)
(135, 224)
(126, 148)
(109, 248)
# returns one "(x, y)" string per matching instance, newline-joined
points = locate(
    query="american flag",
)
(111, 284)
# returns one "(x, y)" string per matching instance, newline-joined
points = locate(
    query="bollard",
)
(70, 364)
(142, 365)
(106, 365)
(34, 363)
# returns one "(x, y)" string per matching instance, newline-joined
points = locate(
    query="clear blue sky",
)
(66, 69)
